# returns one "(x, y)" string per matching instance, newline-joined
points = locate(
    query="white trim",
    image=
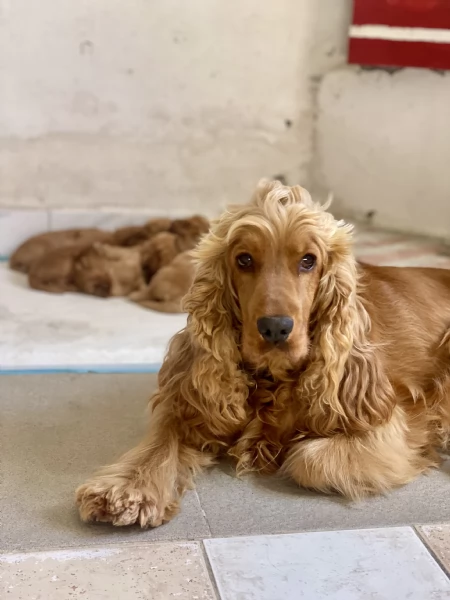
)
(400, 34)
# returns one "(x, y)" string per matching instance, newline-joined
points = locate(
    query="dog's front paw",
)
(121, 502)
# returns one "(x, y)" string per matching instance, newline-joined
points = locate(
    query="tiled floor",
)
(437, 537)
(377, 564)
(54, 429)
(133, 572)
(339, 565)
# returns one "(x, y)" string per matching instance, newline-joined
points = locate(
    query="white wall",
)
(164, 102)
(383, 145)
(168, 104)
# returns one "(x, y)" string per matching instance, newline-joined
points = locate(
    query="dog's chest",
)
(273, 421)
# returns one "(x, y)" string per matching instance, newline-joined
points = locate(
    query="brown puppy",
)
(183, 235)
(54, 272)
(104, 270)
(189, 231)
(35, 248)
(168, 286)
(155, 226)
(158, 252)
(132, 236)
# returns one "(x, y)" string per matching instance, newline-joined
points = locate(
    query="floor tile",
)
(437, 537)
(380, 564)
(55, 430)
(18, 225)
(257, 505)
(41, 329)
(156, 572)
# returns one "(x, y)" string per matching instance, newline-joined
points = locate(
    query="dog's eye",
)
(308, 262)
(244, 261)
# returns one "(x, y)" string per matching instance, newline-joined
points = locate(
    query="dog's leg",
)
(146, 484)
(389, 456)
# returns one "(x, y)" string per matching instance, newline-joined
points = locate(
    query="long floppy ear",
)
(346, 386)
(220, 386)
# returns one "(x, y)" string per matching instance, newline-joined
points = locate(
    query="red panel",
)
(399, 54)
(403, 13)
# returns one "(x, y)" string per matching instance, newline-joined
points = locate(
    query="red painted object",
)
(401, 33)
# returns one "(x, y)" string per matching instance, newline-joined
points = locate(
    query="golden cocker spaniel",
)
(295, 359)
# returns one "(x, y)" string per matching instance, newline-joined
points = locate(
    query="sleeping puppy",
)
(104, 270)
(183, 235)
(168, 286)
(34, 248)
(189, 231)
(158, 252)
(54, 271)
(132, 236)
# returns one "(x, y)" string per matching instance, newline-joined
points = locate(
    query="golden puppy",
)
(54, 271)
(104, 270)
(35, 248)
(183, 235)
(189, 231)
(155, 226)
(132, 236)
(158, 252)
(168, 286)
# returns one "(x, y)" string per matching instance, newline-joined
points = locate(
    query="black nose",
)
(275, 329)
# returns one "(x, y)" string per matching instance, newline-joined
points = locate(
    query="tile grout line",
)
(203, 511)
(118, 543)
(210, 570)
(204, 552)
(440, 563)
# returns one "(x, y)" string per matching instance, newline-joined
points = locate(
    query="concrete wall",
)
(165, 103)
(169, 105)
(383, 147)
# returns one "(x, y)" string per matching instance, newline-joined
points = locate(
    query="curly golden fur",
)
(354, 399)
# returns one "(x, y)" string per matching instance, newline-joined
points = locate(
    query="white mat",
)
(75, 332)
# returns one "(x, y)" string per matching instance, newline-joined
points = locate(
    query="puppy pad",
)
(70, 332)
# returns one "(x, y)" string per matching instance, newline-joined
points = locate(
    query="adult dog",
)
(295, 359)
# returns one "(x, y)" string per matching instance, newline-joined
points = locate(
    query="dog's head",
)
(91, 272)
(270, 263)
(276, 292)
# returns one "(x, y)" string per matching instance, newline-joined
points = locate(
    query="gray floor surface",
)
(56, 429)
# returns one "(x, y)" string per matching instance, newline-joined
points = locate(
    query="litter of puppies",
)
(149, 264)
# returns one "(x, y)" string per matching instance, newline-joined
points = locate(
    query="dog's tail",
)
(168, 306)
